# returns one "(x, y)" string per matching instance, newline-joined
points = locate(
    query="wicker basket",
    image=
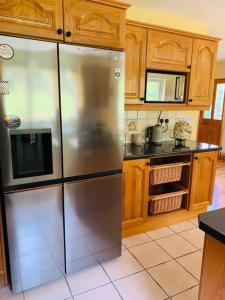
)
(166, 202)
(166, 173)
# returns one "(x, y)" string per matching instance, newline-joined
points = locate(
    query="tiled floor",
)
(160, 264)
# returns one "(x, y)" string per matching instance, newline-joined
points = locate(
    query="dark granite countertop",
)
(166, 149)
(213, 223)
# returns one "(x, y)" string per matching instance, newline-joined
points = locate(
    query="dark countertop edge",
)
(211, 231)
(213, 224)
(218, 148)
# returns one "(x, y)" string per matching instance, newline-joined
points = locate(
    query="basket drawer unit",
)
(160, 174)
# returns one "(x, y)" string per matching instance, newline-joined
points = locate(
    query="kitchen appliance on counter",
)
(154, 134)
(61, 129)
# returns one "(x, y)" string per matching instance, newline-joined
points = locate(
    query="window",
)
(216, 110)
(219, 102)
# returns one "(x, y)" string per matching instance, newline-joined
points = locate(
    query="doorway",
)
(210, 122)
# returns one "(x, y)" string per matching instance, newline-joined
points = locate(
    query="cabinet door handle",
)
(189, 67)
(60, 31)
(196, 158)
(142, 99)
(69, 33)
(190, 100)
(148, 164)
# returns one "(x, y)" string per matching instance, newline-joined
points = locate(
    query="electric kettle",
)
(154, 134)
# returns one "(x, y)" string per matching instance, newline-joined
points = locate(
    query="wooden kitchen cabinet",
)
(135, 191)
(202, 72)
(203, 178)
(168, 51)
(95, 22)
(135, 47)
(36, 18)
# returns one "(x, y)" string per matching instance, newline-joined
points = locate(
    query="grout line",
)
(145, 269)
(68, 285)
(190, 242)
(185, 290)
(91, 289)
(173, 259)
(110, 278)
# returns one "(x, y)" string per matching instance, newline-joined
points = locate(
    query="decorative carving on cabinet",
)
(204, 63)
(26, 11)
(131, 85)
(96, 24)
(179, 54)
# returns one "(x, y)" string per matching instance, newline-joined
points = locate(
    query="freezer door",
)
(92, 103)
(29, 90)
(92, 221)
(34, 220)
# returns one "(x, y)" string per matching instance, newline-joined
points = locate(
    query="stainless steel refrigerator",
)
(61, 140)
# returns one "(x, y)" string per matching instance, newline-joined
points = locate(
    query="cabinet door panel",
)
(202, 72)
(203, 177)
(168, 51)
(135, 191)
(94, 23)
(37, 18)
(136, 39)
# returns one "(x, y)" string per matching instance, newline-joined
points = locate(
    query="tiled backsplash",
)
(138, 121)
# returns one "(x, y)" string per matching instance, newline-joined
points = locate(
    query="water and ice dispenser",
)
(31, 151)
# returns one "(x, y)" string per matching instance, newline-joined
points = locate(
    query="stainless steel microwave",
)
(165, 86)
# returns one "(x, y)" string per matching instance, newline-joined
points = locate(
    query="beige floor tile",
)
(106, 292)
(160, 233)
(180, 227)
(6, 294)
(87, 279)
(150, 254)
(176, 246)
(56, 290)
(139, 286)
(136, 240)
(195, 237)
(194, 221)
(172, 278)
(193, 263)
(122, 266)
(191, 294)
(123, 247)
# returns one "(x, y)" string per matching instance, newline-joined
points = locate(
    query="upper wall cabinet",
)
(168, 51)
(100, 23)
(35, 18)
(135, 46)
(202, 72)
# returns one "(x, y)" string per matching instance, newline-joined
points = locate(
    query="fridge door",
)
(92, 221)
(34, 220)
(92, 104)
(29, 92)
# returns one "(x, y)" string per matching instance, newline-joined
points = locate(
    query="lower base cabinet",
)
(135, 191)
(203, 178)
(136, 186)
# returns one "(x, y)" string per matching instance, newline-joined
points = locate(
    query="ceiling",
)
(209, 12)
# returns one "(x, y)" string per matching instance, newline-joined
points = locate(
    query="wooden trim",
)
(113, 3)
(163, 106)
(177, 31)
(130, 223)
